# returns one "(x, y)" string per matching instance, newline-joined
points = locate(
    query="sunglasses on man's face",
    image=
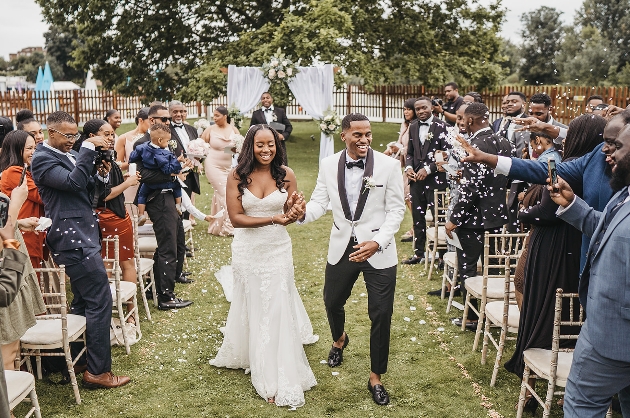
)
(164, 119)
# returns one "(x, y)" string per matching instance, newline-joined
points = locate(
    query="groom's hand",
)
(365, 250)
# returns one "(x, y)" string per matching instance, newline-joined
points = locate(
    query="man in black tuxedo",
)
(183, 133)
(427, 134)
(268, 114)
(481, 203)
(167, 224)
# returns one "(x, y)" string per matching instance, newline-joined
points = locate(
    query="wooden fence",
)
(383, 103)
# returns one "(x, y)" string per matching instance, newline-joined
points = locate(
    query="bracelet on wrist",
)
(272, 221)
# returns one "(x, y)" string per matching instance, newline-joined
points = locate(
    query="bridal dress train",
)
(267, 323)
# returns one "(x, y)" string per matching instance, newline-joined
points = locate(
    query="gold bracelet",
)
(11, 243)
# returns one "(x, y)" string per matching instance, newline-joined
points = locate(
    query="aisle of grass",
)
(432, 370)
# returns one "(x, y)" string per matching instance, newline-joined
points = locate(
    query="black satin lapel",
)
(427, 142)
(341, 185)
(369, 170)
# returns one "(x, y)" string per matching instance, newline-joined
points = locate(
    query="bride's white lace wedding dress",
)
(267, 323)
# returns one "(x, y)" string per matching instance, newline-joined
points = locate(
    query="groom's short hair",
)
(352, 117)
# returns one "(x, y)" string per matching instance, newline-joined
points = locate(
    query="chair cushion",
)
(494, 312)
(127, 290)
(187, 225)
(450, 258)
(441, 234)
(48, 331)
(539, 360)
(146, 265)
(146, 229)
(474, 285)
(19, 385)
(147, 244)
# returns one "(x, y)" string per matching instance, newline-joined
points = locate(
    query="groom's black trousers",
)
(380, 285)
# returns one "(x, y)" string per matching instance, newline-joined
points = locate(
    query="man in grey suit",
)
(601, 362)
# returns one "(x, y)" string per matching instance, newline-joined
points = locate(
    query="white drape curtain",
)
(313, 90)
(245, 86)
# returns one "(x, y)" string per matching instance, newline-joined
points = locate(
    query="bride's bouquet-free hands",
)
(295, 207)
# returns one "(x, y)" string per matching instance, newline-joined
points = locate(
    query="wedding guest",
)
(453, 102)
(262, 200)
(19, 316)
(499, 124)
(18, 150)
(217, 166)
(67, 185)
(481, 204)
(270, 114)
(592, 102)
(400, 150)
(473, 97)
(427, 134)
(124, 146)
(540, 108)
(112, 116)
(33, 128)
(109, 205)
(6, 126)
(553, 257)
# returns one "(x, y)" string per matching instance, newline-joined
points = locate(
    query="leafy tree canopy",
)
(542, 38)
(175, 48)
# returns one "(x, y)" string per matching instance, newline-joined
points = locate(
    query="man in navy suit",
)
(601, 361)
(66, 183)
(268, 114)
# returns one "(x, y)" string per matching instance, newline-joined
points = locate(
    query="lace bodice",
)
(270, 205)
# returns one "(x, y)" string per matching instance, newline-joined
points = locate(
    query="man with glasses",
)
(167, 223)
(66, 185)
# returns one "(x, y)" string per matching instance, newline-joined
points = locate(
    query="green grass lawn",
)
(432, 370)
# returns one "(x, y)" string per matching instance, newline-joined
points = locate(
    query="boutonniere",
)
(172, 144)
(274, 117)
(429, 136)
(369, 183)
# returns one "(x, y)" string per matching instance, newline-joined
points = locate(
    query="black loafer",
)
(175, 303)
(335, 356)
(406, 239)
(470, 326)
(379, 394)
(414, 260)
(184, 279)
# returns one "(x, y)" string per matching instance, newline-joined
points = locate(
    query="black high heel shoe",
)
(531, 405)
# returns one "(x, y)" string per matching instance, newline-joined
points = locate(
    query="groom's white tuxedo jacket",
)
(379, 211)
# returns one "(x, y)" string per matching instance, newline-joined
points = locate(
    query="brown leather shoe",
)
(104, 380)
(79, 368)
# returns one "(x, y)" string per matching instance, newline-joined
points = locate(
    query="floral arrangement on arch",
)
(234, 113)
(280, 68)
(330, 123)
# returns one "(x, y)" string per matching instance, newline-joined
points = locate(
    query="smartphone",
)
(553, 174)
(23, 175)
(4, 210)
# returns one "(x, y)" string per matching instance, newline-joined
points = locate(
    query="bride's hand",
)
(281, 219)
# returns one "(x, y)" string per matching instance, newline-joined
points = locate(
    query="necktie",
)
(359, 164)
(614, 209)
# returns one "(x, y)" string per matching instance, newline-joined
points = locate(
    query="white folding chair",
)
(21, 387)
(144, 265)
(123, 292)
(436, 234)
(53, 331)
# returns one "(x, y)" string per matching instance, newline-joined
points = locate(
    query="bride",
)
(267, 323)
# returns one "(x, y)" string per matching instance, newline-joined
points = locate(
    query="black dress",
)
(553, 262)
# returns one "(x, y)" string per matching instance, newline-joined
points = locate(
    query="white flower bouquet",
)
(330, 123)
(280, 68)
(234, 113)
(237, 142)
(201, 125)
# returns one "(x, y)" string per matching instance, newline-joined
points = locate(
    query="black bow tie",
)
(178, 125)
(268, 109)
(423, 123)
(359, 164)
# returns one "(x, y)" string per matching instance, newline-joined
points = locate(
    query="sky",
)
(26, 27)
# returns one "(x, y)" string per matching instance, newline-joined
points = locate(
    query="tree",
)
(60, 45)
(587, 57)
(542, 38)
(161, 48)
(28, 66)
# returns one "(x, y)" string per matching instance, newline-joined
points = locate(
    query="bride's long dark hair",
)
(247, 161)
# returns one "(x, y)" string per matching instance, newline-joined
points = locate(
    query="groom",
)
(365, 190)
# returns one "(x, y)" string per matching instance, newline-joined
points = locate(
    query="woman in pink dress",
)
(217, 165)
(124, 145)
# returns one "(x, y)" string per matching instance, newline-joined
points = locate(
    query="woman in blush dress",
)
(124, 145)
(217, 166)
(267, 323)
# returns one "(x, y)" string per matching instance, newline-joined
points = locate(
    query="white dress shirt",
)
(268, 112)
(354, 182)
(182, 133)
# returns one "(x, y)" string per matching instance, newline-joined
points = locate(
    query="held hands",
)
(365, 250)
(561, 193)
(295, 207)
